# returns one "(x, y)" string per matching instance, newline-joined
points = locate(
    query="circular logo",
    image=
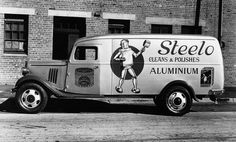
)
(117, 66)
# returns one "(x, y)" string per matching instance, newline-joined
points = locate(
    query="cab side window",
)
(86, 53)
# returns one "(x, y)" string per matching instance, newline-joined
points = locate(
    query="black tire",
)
(158, 101)
(177, 100)
(31, 98)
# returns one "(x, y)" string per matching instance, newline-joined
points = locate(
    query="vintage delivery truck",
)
(171, 69)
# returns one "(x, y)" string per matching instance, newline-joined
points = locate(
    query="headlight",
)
(24, 71)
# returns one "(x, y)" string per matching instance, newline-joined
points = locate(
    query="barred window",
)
(118, 26)
(161, 29)
(16, 33)
(191, 30)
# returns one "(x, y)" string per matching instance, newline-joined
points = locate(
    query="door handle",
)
(95, 67)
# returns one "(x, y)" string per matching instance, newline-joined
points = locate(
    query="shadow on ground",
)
(94, 106)
(8, 105)
(85, 105)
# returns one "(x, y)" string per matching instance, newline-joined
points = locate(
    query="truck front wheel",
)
(31, 98)
(177, 100)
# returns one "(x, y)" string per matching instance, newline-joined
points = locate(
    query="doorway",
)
(66, 30)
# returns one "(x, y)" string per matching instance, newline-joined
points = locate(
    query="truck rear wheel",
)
(31, 98)
(177, 100)
(158, 101)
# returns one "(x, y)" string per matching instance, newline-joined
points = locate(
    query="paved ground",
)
(116, 120)
(63, 127)
(90, 120)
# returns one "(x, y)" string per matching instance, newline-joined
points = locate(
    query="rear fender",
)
(181, 83)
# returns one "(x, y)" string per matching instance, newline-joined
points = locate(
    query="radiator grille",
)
(52, 76)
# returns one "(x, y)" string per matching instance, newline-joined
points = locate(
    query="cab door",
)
(83, 71)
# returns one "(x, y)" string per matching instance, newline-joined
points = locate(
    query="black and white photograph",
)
(117, 70)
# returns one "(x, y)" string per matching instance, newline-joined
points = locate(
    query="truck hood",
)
(46, 63)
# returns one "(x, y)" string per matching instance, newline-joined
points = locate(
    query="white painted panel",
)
(69, 13)
(172, 21)
(106, 15)
(13, 10)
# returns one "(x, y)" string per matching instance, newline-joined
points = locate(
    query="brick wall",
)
(229, 37)
(41, 25)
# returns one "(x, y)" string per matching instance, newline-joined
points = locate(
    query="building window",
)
(161, 29)
(16, 34)
(118, 26)
(191, 30)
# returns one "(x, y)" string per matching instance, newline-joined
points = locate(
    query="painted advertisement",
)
(135, 62)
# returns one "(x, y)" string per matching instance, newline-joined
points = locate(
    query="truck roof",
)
(149, 36)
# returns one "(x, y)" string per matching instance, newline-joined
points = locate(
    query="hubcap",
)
(177, 101)
(31, 98)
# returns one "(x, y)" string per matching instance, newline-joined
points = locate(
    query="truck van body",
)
(123, 65)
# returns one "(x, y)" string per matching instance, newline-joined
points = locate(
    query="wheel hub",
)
(31, 98)
(177, 101)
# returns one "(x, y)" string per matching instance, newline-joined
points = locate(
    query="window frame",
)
(77, 58)
(16, 34)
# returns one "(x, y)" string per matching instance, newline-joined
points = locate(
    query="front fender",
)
(35, 79)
